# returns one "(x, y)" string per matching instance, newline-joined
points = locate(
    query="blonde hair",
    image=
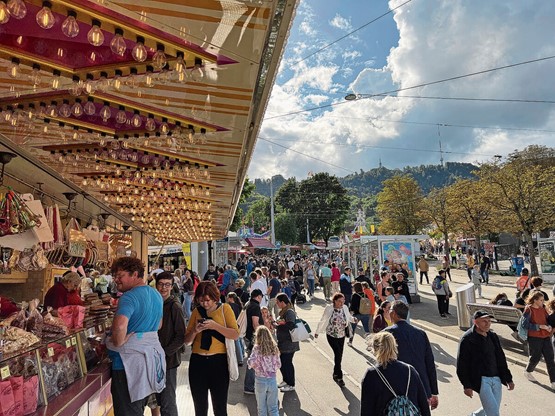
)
(266, 344)
(384, 347)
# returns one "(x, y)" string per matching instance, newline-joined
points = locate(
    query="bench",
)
(507, 315)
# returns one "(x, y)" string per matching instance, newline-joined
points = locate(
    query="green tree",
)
(440, 212)
(246, 192)
(401, 206)
(470, 201)
(286, 228)
(258, 215)
(288, 195)
(521, 189)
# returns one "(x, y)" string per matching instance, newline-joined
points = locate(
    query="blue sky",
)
(422, 41)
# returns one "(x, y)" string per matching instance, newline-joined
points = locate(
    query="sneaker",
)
(340, 382)
(447, 313)
(443, 315)
(530, 376)
(350, 343)
(282, 384)
(287, 388)
(248, 391)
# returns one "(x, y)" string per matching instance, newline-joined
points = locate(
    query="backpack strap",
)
(408, 385)
(384, 380)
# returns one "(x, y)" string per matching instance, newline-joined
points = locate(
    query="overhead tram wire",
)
(349, 34)
(367, 96)
(304, 154)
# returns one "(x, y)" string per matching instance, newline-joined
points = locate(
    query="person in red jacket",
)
(59, 294)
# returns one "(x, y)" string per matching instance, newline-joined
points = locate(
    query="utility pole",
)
(307, 233)
(273, 234)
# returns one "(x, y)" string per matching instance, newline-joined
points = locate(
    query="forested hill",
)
(370, 182)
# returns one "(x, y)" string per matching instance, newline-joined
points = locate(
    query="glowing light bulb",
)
(159, 59)
(45, 18)
(95, 35)
(105, 112)
(89, 108)
(180, 65)
(196, 73)
(77, 109)
(150, 124)
(139, 51)
(70, 27)
(149, 78)
(35, 77)
(117, 44)
(17, 8)
(65, 109)
(116, 81)
(4, 13)
(164, 127)
(136, 120)
(132, 80)
(14, 70)
(121, 115)
(89, 87)
(56, 80)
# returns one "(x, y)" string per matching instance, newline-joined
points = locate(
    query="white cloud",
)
(341, 22)
(438, 40)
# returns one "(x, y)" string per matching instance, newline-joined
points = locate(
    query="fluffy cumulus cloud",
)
(437, 39)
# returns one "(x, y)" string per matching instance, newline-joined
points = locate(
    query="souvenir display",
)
(15, 216)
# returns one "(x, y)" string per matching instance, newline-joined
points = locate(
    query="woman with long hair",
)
(210, 324)
(382, 319)
(284, 325)
(539, 336)
(390, 378)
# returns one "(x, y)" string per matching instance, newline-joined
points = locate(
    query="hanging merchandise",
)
(52, 214)
(15, 216)
(76, 240)
(31, 259)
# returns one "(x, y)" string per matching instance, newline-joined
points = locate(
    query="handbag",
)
(301, 332)
(232, 364)
(522, 328)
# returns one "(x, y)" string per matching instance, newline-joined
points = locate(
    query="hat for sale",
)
(481, 314)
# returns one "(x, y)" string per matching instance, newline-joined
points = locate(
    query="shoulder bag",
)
(232, 364)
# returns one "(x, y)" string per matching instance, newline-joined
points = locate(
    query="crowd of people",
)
(248, 310)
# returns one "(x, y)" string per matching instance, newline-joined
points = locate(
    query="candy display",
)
(15, 340)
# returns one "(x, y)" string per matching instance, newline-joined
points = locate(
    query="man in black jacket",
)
(172, 339)
(482, 366)
(414, 348)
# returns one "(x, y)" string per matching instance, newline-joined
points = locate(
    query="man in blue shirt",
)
(139, 311)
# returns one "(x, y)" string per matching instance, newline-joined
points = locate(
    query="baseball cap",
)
(481, 314)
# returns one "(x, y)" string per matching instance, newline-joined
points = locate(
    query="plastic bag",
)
(7, 401)
(35, 321)
(17, 388)
(30, 395)
(20, 320)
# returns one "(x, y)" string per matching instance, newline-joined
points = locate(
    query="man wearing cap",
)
(482, 366)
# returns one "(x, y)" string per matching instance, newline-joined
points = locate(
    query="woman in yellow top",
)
(210, 324)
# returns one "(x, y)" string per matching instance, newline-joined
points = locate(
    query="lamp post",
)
(273, 233)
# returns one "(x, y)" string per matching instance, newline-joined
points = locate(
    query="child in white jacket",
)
(477, 279)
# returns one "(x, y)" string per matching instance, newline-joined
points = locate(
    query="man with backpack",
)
(482, 366)
(414, 348)
(362, 309)
(441, 289)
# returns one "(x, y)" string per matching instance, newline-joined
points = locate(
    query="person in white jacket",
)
(336, 323)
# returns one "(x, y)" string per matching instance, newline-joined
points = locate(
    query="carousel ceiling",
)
(150, 107)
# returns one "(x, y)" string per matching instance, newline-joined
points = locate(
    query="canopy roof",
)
(158, 122)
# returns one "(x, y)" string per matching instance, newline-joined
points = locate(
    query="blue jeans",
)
(490, 396)
(310, 286)
(365, 319)
(239, 351)
(187, 300)
(485, 275)
(267, 396)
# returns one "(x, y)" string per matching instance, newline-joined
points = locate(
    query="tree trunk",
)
(530, 244)
(446, 246)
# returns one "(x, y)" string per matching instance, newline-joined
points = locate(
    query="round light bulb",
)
(121, 116)
(180, 65)
(159, 59)
(76, 87)
(132, 80)
(89, 87)
(105, 113)
(164, 128)
(149, 78)
(77, 109)
(95, 35)
(89, 108)
(117, 44)
(136, 121)
(14, 70)
(45, 18)
(139, 52)
(55, 82)
(4, 13)
(150, 124)
(35, 77)
(103, 83)
(65, 109)
(17, 8)
(70, 27)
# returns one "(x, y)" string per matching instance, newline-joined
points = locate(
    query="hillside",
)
(370, 182)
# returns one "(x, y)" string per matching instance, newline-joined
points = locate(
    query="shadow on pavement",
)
(291, 405)
(442, 356)
(354, 403)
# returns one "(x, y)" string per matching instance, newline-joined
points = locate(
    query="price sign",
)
(50, 351)
(4, 372)
(73, 341)
(68, 343)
